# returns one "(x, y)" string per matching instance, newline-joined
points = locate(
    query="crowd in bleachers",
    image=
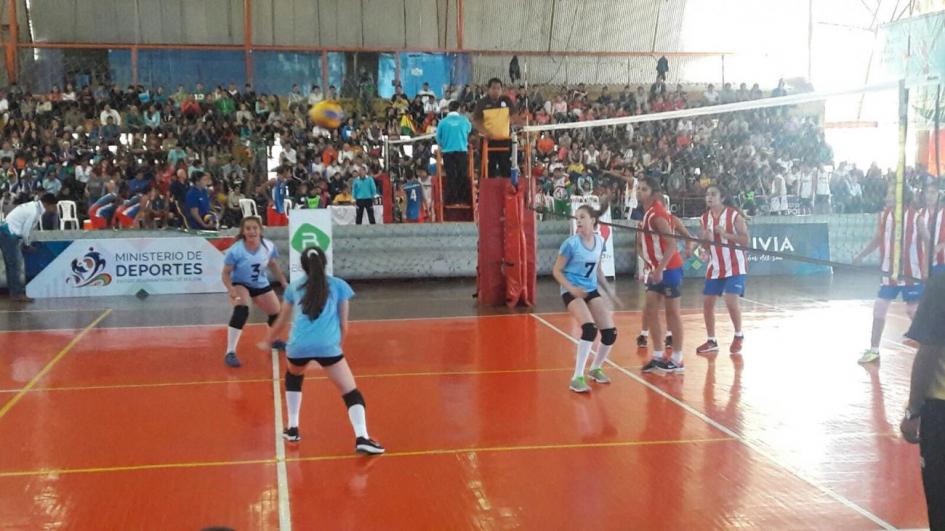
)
(138, 150)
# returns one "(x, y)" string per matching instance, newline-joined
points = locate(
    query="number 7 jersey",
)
(250, 269)
(581, 268)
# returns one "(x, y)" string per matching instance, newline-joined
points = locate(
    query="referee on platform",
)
(924, 421)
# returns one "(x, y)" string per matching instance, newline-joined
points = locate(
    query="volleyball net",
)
(812, 172)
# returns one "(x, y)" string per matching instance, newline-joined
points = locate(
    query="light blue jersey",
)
(250, 269)
(316, 338)
(581, 268)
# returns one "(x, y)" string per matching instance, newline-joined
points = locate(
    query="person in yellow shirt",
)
(493, 118)
(924, 421)
(345, 197)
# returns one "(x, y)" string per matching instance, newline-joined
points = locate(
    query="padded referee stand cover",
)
(506, 262)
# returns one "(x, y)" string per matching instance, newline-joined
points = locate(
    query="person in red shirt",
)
(664, 277)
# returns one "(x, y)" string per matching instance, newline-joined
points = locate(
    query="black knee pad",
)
(239, 317)
(608, 336)
(272, 319)
(293, 382)
(353, 398)
(588, 332)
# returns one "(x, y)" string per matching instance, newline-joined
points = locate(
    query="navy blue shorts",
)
(734, 285)
(909, 293)
(670, 285)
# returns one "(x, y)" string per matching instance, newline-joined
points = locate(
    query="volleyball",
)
(327, 114)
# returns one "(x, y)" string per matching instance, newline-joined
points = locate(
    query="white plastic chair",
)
(287, 205)
(67, 215)
(248, 207)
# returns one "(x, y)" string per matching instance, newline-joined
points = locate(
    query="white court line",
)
(731, 433)
(282, 475)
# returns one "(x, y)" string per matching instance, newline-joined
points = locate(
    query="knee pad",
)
(293, 382)
(881, 308)
(353, 398)
(588, 332)
(608, 336)
(272, 319)
(239, 317)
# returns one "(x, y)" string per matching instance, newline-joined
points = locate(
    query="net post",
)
(438, 185)
(896, 263)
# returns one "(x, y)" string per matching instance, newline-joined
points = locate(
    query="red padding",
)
(490, 280)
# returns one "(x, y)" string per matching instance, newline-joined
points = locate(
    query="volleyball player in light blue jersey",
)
(245, 275)
(317, 309)
(578, 271)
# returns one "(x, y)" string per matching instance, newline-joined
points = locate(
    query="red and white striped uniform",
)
(655, 246)
(913, 252)
(724, 262)
(936, 231)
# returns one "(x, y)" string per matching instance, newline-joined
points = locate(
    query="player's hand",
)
(578, 293)
(264, 345)
(234, 295)
(656, 276)
(284, 283)
(910, 430)
(618, 303)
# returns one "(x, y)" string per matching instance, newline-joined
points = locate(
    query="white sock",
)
(583, 351)
(657, 354)
(644, 333)
(713, 339)
(677, 357)
(358, 421)
(232, 338)
(601, 357)
(738, 333)
(293, 402)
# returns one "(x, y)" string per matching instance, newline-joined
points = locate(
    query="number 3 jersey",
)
(581, 268)
(250, 269)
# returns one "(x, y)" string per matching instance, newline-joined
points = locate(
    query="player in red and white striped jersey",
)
(659, 252)
(725, 276)
(915, 239)
(933, 216)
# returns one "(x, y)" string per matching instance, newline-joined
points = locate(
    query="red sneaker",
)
(737, 345)
(708, 347)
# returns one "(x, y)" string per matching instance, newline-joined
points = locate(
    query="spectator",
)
(711, 96)
(15, 233)
(197, 204)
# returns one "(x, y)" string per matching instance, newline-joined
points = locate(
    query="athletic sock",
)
(645, 333)
(232, 338)
(677, 357)
(356, 415)
(658, 355)
(738, 333)
(293, 401)
(583, 351)
(713, 338)
(601, 357)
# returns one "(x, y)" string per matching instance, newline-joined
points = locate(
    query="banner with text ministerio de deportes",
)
(97, 268)
(807, 240)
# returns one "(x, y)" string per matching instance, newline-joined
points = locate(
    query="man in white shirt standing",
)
(15, 232)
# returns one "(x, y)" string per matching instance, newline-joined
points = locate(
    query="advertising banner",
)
(308, 227)
(97, 268)
(808, 240)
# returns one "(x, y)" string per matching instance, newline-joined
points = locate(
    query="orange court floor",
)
(120, 414)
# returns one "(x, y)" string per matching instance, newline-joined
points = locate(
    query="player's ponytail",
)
(316, 285)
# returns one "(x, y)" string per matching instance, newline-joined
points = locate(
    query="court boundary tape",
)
(52, 363)
(349, 456)
(282, 474)
(830, 493)
(107, 387)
